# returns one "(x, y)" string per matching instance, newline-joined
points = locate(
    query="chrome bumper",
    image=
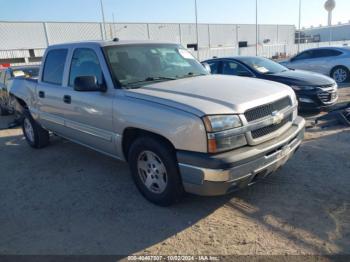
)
(249, 165)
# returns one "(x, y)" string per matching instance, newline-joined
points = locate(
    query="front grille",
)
(267, 110)
(327, 97)
(270, 129)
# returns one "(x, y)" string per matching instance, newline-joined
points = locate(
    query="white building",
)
(23, 42)
(340, 32)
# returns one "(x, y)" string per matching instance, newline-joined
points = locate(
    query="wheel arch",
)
(130, 135)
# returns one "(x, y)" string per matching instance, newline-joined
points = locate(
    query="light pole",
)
(237, 40)
(197, 33)
(103, 21)
(114, 29)
(299, 26)
(256, 27)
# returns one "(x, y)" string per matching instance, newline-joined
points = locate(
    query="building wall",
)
(338, 32)
(38, 35)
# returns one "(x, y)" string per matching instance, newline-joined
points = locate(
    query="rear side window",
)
(326, 53)
(214, 67)
(2, 77)
(54, 66)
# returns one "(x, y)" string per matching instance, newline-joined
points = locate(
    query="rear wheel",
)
(155, 171)
(3, 111)
(340, 74)
(36, 136)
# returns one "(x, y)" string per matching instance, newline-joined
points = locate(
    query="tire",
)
(3, 111)
(36, 136)
(154, 161)
(340, 74)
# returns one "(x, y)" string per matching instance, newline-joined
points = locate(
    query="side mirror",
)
(88, 84)
(207, 67)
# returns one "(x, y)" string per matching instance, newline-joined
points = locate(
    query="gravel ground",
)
(66, 199)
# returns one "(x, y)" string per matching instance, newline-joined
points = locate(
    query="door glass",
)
(7, 78)
(85, 63)
(327, 53)
(214, 67)
(54, 66)
(233, 68)
(2, 77)
(303, 56)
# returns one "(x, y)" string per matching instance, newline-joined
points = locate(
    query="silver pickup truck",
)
(156, 107)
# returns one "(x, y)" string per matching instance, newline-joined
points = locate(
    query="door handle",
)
(41, 94)
(67, 99)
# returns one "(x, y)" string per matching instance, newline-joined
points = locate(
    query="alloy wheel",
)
(152, 172)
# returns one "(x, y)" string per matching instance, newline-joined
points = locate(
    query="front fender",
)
(184, 130)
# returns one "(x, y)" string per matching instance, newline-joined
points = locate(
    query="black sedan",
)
(314, 91)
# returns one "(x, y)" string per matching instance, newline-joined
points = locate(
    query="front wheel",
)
(155, 171)
(340, 74)
(36, 136)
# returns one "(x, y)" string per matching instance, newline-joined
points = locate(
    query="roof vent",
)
(116, 39)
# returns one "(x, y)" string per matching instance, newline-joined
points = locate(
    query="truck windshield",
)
(137, 65)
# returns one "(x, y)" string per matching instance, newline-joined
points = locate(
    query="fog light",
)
(306, 100)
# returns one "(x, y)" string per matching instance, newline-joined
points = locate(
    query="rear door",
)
(322, 60)
(50, 91)
(89, 115)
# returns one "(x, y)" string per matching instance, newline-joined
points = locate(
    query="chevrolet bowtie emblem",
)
(277, 117)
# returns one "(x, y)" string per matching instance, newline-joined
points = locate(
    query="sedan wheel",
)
(340, 74)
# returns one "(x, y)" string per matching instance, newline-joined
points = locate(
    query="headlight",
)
(221, 122)
(218, 132)
(303, 88)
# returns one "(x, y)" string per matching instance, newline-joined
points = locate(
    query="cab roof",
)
(100, 43)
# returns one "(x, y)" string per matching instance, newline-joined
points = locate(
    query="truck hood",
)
(212, 94)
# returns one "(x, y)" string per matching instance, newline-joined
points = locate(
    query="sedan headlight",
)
(303, 88)
(219, 132)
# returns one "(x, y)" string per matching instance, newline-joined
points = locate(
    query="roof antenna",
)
(116, 39)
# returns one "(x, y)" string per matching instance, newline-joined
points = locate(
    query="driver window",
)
(85, 63)
(233, 68)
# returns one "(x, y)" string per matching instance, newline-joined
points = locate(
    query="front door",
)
(89, 117)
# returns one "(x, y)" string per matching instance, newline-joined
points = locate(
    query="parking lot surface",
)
(66, 199)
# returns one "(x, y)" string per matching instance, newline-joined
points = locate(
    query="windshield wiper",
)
(191, 74)
(151, 79)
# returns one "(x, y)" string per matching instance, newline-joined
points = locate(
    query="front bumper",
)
(317, 100)
(212, 175)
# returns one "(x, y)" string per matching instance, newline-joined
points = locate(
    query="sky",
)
(174, 11)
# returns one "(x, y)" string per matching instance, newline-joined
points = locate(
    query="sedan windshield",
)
(263, 65)
(137, 65)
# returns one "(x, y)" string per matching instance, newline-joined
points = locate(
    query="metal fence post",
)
(46, 36)
(148, 32)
